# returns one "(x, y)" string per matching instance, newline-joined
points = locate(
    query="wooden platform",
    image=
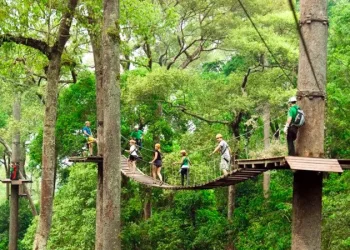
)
(344, 163)
(94, 159)
(16, 182)
(294, 163)
(245, 169)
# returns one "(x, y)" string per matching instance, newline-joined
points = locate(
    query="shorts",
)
(184, 171)
(158, 163)
(224, 163)
(132, 157)
(90, 139)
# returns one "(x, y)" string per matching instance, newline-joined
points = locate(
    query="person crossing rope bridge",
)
(225, 151)
(136, 135)
(185, 166)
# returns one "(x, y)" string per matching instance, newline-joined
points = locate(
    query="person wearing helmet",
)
(136, 135)
(225, 151)
(289, 129)
(185, 165)
(133, 156)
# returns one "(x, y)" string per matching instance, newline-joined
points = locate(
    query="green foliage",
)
(75, 209)
(25, 218)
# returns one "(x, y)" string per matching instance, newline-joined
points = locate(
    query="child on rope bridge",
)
(133, 156)
(185, 166)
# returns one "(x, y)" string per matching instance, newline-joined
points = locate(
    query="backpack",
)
(300, 118)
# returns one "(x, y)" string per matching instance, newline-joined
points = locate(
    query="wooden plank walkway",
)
(16, 182)
(244, 170)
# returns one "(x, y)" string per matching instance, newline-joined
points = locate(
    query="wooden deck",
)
(16, 182)
(244, 170)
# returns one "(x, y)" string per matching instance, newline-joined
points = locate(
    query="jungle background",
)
(190, 70)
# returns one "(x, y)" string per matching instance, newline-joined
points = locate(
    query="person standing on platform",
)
(185, 166)
(136, 135)
(290, 129)
(132, 156)
(157, 163)
(90, 140)
(225, 151)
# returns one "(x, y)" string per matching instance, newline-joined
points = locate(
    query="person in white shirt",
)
(132, 156)
(225, 151)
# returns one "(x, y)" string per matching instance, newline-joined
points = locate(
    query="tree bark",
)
(307, 187)
(266, 119)
(96, 43)
(16, 155)
(49, 139)
(112, 152)
(147, 204)
(231, 202)
(13, 218)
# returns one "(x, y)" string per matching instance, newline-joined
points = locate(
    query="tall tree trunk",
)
(147, 204)
(48, 156)
(13, 218)
(16, 155)
(96, 44)
(307, 186)
(7, 172)
(49, 139)
(266, 119)
(112, 152)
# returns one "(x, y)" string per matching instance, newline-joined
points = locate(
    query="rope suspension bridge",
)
(243, 170)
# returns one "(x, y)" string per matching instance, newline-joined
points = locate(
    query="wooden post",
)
(99, 208)
(13, 218)
(307, 186)
(16, 154)
(266, 120)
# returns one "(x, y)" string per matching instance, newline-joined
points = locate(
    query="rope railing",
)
(197, 173)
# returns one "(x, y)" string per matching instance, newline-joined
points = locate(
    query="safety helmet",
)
(136, 127)
(292, 99)
(218, 136)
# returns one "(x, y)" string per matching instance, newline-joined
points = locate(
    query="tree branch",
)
(63, 31)
(185, 111)
(43, 47)
(8, 150)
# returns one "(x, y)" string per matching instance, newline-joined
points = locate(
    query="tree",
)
(111, 154)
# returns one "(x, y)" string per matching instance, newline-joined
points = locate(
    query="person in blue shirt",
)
(90, 140)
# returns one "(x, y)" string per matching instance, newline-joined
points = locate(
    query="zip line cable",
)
(291, 5)
(263, 40)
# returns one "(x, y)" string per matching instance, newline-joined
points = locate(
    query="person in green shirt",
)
(289, 129)
(136, 135)
(185, 166)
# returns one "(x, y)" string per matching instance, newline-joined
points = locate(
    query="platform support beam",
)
(307, 186)
(14, 218)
